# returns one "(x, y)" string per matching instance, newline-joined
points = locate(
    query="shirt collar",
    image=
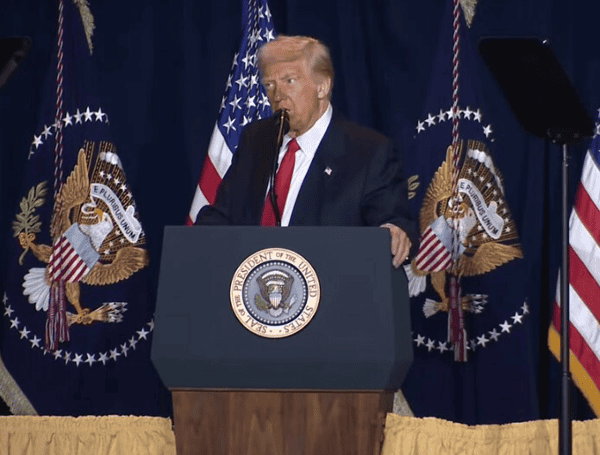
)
(309, 141)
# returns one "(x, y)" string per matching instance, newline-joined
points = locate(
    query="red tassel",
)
(57, 327)
(456, 321)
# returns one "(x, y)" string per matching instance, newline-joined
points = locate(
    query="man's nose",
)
(278, 93)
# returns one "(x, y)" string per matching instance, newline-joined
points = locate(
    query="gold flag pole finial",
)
(468, 7)
(88, 21)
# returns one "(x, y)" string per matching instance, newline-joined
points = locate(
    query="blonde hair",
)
(291, 48)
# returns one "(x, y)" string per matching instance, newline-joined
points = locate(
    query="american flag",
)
(584, 279)
(244, 101)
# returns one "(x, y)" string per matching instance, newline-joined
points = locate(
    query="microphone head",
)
(282, 120)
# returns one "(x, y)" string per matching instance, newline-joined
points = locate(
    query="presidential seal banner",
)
(471, 317)
(77, 314)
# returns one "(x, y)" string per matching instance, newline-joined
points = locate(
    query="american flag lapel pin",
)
(328, 170)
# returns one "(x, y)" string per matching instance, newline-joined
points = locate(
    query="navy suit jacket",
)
(355, 179)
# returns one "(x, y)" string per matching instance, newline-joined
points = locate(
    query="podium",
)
(325, 388)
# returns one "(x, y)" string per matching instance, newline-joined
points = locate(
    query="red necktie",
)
(282, 184)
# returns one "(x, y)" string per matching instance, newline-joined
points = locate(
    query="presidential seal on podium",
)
(275, 293)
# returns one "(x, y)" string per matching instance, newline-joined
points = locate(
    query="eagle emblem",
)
(97, 236)
(275, 288)
(275, 293)
(472, 223)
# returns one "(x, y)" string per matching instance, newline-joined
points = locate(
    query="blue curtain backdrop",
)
(163, 66)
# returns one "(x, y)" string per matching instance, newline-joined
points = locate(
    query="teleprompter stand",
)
(324, 389)
(546, 104)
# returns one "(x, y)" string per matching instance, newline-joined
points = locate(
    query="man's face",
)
(293, 86)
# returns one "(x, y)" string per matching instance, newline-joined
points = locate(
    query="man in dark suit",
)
(332, 172)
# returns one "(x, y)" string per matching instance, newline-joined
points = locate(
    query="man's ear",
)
(323, 88)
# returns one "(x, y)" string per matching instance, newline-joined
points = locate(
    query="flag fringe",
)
(469, 7)
(88, 21)
(12, 394)
(580, 376)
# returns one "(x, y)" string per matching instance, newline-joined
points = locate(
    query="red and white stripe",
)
(215, 166)
(65, 264)
(433, 256)
(584, 273)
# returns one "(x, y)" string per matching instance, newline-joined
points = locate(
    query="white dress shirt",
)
(308, 142)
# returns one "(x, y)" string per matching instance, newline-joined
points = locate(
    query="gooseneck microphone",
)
(282, 123)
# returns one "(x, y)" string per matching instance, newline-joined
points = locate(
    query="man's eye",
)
(291, 80)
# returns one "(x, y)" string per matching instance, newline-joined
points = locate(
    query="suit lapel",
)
(324, 174)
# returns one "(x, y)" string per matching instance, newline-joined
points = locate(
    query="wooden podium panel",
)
(245, 422)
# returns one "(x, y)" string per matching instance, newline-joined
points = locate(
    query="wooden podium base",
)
(234, 422)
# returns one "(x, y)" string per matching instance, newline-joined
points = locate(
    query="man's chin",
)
(294, 127)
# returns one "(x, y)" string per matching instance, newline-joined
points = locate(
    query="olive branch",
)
(260, 303)
(27, 221)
